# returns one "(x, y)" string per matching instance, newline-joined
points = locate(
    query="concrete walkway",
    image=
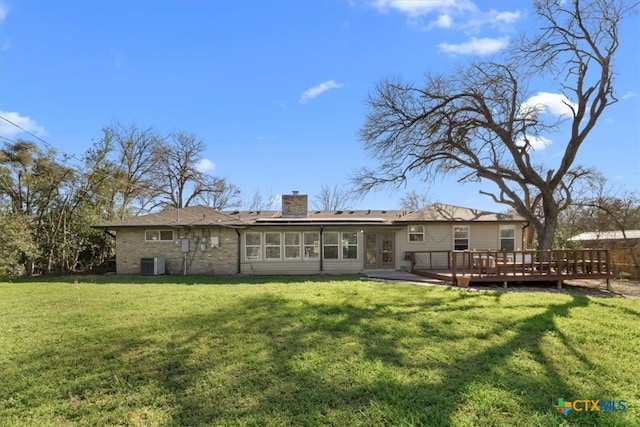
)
(405, 277)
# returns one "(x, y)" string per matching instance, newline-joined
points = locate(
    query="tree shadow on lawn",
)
(278, 361)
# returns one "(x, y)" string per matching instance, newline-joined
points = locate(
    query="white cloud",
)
(415, 8)
(443, 21)
(476, 46)
(318, 90)
(9, 130)
(503, 21)
(546, 102)
(535, 142)
(629, 95)
(4, 10)
(205, 165)
(468, 16)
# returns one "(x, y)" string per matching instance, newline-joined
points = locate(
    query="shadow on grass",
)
(273, 360)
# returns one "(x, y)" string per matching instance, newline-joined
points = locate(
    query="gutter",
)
(239, 256)
(321, 246)
(527, 225)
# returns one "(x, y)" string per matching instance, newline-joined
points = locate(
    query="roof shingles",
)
(200, 216)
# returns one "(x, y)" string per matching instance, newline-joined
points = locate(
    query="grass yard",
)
(342, 351)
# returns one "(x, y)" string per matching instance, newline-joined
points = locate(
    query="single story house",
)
(295, 240)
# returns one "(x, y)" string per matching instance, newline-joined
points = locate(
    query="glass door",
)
(379, 250)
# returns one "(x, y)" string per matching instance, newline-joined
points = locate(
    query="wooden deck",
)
(513, 266)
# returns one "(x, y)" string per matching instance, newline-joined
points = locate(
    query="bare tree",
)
(258, 202)
(609, 209)
(180, 182)
(479, 124)
(220, 195)
(414, 201)
(135, 156)
(332, 198)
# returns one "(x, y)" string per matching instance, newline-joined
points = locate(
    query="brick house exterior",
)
(201, 240)
(198, 240)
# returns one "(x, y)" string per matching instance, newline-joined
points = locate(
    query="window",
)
(416, 233)
(311, 245)
(291, 245)
(272, 246)
(507, 237)
(350, 245)
(158, 235)
(330, 245)
(461, 237)
(252, 246)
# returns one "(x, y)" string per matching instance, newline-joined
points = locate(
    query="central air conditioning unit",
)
(152, 266)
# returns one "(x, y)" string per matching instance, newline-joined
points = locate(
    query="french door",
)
(379, 250)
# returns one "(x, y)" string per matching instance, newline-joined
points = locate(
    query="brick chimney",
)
(294, 205)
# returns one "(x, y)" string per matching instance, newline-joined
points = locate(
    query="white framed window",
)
(158, 235)
(311, 245)
(253, 246)
(272, 248)
(330, 243)
(507, 237)
(460, 237)
(291, 245)
(416, 233)
(350, 245)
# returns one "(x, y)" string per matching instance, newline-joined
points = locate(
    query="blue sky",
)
(275, 89)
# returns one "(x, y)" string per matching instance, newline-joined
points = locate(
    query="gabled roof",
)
(192, 216)
(440, 212)
(606, 235)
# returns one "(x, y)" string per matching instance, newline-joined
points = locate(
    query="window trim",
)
(269, 245)
(285, 245)
(333, 245)
(318, 246)
(468, 239)
(312, 246)
(415, 233)
(247, 246)
(349, 245)
(159, 231)
(500, 238)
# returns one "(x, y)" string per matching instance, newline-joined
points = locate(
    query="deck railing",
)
(553, 264)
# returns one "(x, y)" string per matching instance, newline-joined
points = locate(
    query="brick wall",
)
(294, 205)
(131, 246)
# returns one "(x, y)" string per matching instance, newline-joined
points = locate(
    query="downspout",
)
(522, 235)
(321, 246)
(238, 260)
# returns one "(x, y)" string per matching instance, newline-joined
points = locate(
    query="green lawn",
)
(294, 352)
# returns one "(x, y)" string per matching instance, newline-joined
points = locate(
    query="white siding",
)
(439, 237)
